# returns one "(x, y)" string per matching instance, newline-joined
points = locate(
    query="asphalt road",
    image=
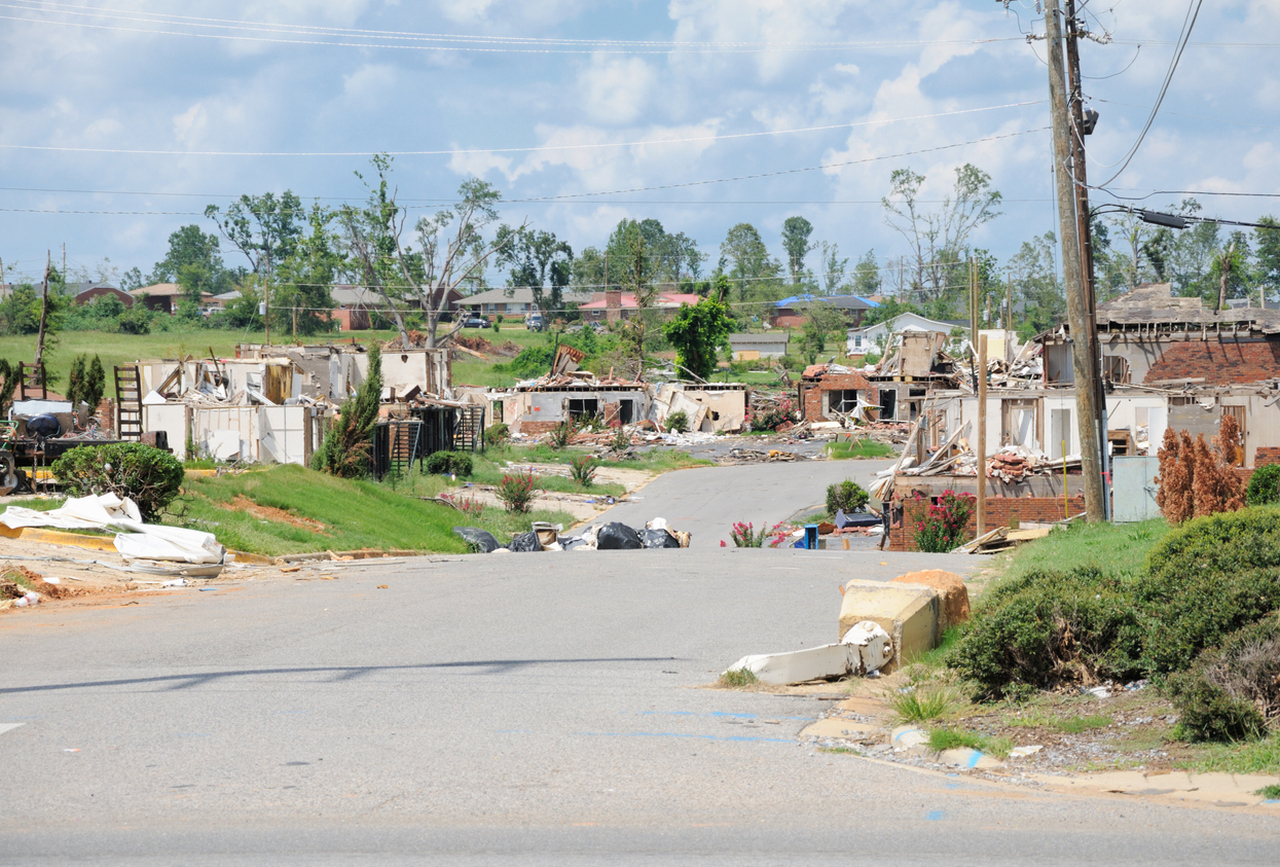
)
(707, 501)
(513, 709)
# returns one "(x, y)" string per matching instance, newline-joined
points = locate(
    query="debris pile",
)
(611, 536)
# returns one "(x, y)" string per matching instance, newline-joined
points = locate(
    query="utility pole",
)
(44, 315)
(1083, 221)
(981, 440)
(1083, 360)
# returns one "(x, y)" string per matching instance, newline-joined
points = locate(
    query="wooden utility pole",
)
(1084, 363)
(1008, 304)
(1085, 230)
(980, 449)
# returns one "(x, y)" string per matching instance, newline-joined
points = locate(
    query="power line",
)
(1189, 22)
(407, 41)
(524, 149)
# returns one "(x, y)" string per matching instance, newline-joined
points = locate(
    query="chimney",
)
(612, 305)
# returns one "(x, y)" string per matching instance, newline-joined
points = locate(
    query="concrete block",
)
(910, 613)
(951, 589)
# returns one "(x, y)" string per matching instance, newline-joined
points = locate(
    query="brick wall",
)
(1000, 513)
(534, 428)
(812, 402)
(1266, 455)
(1219, 362)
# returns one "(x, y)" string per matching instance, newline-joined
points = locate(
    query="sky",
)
(121, 120)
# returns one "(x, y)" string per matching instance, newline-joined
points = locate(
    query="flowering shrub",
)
(943, 527)
(516, 491)
(583, 470)
(775, 416)
(469, 506)
(745, 536)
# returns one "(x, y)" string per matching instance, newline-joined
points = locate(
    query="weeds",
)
(583, 470)
(738, 678)
(920, 705)
(952, 739)
(1271, 793)
(561, 434)
(1075, 725)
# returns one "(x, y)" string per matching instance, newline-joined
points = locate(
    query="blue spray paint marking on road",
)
(935, 816)
(975, 758)
(740, 739)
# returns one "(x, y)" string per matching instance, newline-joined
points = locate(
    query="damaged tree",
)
(451, 250)
(347, 442)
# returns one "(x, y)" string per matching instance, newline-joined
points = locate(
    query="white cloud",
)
(191, 124)
(616, 89)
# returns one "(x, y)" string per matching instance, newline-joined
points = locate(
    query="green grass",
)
(951, 739)
(922, 705)
(1271, 793)
(935, 658)
(1075, 725)
(738, 678)
(356, 514)
(1116, 549)
(1251, 757)
(863, 448)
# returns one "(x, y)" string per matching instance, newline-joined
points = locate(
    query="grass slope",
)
(355, 514)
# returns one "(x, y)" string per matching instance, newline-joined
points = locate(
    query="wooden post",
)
(981, 445)
(44, 315)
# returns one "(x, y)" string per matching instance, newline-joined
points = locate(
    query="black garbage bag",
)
(526, 542)
(659, 539)
(618, 537)
(43, 426)
(481, 541)
(571, 543)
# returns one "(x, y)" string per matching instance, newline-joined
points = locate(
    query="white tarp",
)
(136, 541)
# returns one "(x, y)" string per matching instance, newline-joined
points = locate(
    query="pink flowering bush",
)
(745, 536)
(774, 417)
(469, 506)
(942, 527)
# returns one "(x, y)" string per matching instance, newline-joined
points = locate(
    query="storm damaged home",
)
(1168, 364)
(567, 393)
(272, 403)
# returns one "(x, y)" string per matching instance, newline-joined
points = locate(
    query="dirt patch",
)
(269, 513)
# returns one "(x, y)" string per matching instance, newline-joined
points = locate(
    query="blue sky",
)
(641, 101)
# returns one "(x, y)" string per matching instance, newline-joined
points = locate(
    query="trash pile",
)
(611, 536)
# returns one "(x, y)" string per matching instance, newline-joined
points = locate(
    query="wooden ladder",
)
(128, 402)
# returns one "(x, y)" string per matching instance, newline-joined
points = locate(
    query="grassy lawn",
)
(319, 512)
(1117, 549)
(863, 448)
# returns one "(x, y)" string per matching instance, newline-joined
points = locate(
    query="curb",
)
(58, 537)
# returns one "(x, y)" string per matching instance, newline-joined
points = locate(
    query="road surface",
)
(505, 709)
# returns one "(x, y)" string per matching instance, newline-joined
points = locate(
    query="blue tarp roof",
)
(826, 299)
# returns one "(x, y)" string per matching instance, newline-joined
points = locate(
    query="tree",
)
(639, 279)
(1037, 288)
(821, 322)
(672, 258)
(307, 274)
(451, 246)
(748, 258)
(795, 240)
(86, 382)
(349, 439)
(265, 229)
(938, 238)
(866, 275)
(194, 262)
(539, 260)
(1230, 270)
(1268, 255)
(834, 268)
(698, 333)
(133, 279)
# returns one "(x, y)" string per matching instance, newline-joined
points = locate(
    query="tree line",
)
(288, 256)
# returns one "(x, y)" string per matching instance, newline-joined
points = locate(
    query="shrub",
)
(1195, 481)
(561, 434)
(583, 470)
(1231, 693)
(497, 434)
(847, 495)
(497, 327)
(148, 476)
(348, 439)
(516, 491)
(1264, 485)
(1046, 629)
(621, 440)
(942, 527)
(678, 421)
(744, 535)
(449, 463)
(773, 417)
(1206, 580)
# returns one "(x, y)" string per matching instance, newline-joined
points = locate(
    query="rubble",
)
(610, 536)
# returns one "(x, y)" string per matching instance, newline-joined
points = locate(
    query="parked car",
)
(474, 321)
(535, 322)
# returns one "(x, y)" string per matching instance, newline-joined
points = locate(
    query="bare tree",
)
(937, 238)
(451, 249)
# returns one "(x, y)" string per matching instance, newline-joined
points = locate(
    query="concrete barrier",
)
(910, 613)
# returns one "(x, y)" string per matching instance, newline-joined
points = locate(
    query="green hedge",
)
(149, 476)
(446, 463)
(1230, 691)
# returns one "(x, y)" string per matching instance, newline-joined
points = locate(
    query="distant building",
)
(87, 291)
(874, 338)
(614, 304)
(790, 312)
(164, 297)
(750, 347)
(514, 301)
